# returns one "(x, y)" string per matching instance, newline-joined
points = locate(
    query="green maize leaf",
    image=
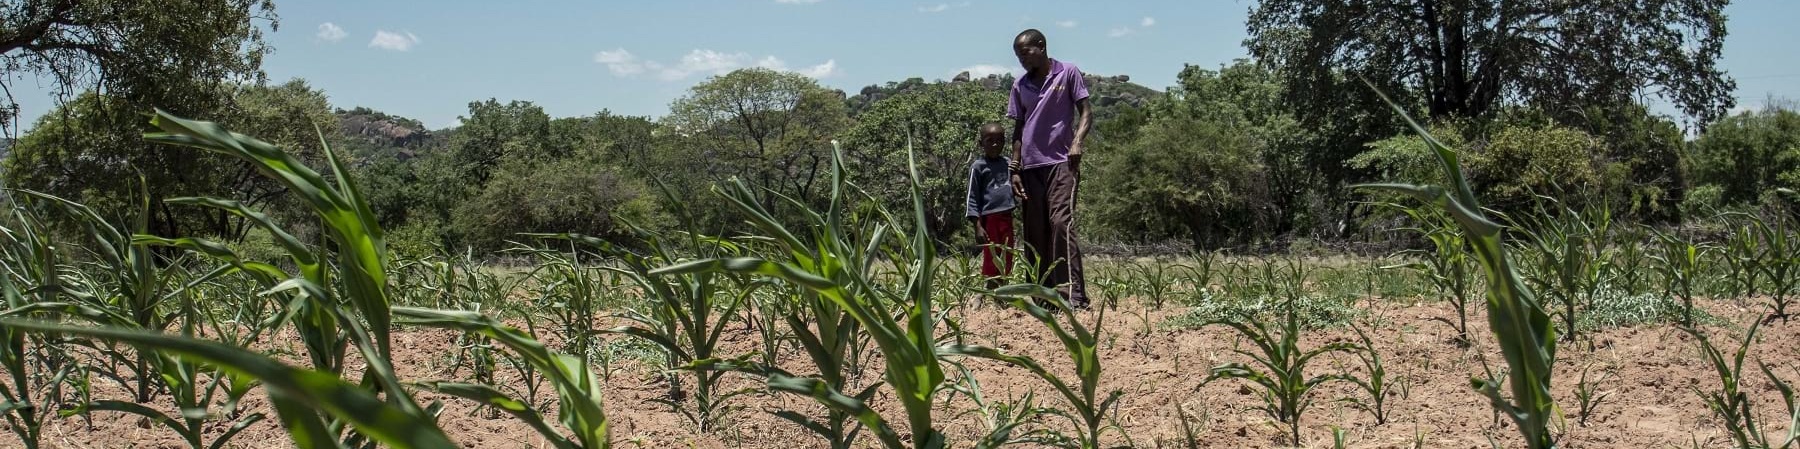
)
(302, 255)
(304, 391)
(578, 390)
(236, 428)
(487, 395)
(820, 391)
(1519, 323)
(362, 253)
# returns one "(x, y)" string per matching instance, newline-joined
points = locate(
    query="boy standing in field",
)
(1050, 113)
(991, 203)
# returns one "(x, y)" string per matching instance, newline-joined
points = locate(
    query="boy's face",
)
(991, 142)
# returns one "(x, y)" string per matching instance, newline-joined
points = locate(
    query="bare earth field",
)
(1652, 403)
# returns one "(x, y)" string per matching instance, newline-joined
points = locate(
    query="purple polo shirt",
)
(1049, 114)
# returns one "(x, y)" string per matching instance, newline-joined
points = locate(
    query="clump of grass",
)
(1615, 308)
(1312, 311)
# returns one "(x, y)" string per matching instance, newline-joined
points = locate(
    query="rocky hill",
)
(368, 131)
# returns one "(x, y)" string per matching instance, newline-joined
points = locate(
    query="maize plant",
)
(837, 267)
(1082, 346)
(1519, 323)
(1733, 405)
(1679, 261)
(1279, 368)
(1446, 264)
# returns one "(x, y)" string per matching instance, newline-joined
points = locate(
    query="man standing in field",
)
(1050, 115)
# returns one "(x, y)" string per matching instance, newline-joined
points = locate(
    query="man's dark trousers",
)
(1049, 222)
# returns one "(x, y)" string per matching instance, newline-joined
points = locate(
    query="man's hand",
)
(1075, 158)
(1019, 188)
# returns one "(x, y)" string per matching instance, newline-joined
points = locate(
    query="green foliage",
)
(573, 195)
(837, 268)
(941, 122)
(1519, 323)
(768, 128)
(1579, 54)
(1182, 178)
(1733, 405)
(1279, 368)
(89, 151)
(1748, 154)
(1215, 160)
(170, 55)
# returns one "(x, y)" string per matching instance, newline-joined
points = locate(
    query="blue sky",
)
(429, 59)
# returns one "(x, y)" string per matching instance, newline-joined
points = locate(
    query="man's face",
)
(1031, 54)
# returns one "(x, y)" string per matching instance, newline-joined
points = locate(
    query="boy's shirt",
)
(1048, 110)
(990, 186)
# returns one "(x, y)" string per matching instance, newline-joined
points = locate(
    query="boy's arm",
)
(975, 195)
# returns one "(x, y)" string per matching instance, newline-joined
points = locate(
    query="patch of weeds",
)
(1313, 311)
(1614, 308)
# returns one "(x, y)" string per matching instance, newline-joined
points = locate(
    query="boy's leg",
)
(1065, 249)
(1003, 232)
(989, 267)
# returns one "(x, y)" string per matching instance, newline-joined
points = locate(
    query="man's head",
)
(992, 139)
(1032, 50)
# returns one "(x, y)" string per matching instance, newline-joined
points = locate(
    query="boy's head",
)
(992, 139)
(1032, 50)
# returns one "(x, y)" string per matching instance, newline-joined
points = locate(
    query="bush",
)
(1183, 177)
(1749, 154)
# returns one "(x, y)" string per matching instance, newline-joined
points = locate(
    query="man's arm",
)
(1018, 144)
(1083, 117)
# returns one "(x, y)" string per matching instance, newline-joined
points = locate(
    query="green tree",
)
(90, 150)
(940, 121)
(171, 55)
(1467, 57)
(1249, 98)
(493, 132)
(1182, 177)
(576, 194)
(772, 129)
(1749, 154)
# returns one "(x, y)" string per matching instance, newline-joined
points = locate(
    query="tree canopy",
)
(1465, 58)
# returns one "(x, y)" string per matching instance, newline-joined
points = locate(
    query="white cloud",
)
(827, 69)
(1147, 22)
(1066, 24)
(1120, 32)
(821, 71)
(394, 41)
(797, 2)
(941, 7)
(624, 64)
(620, 62)
(980, 71)
(330, 32)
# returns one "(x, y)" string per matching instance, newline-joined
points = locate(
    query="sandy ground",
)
(1652, 401)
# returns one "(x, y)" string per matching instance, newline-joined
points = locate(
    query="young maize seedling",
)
(1079, 343)
(1732, 404)
(1375, 384)
(1589, 395)
(1279, 367)
(837, 268)
(1519, 323)
(1679, 263)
